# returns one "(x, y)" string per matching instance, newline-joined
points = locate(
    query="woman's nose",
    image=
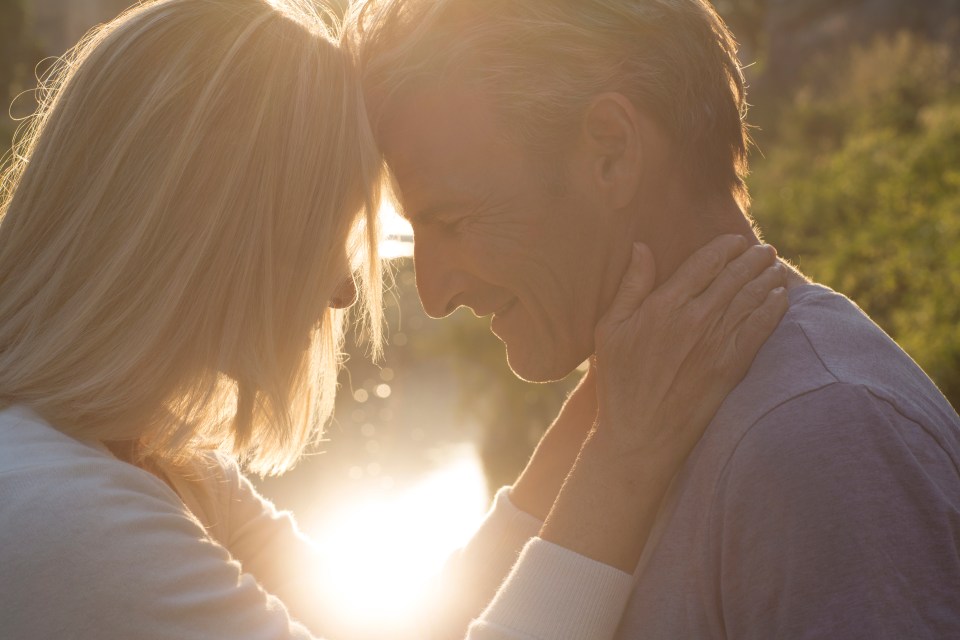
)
(345, 294)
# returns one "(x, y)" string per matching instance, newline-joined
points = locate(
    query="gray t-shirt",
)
(822, 502)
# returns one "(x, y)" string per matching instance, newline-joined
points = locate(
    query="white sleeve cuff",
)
(505, 514)
(502, 534)
(554, 593)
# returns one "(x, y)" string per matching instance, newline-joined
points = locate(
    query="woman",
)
(183, 224)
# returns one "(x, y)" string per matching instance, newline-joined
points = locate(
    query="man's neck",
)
(679, 229)
(676, 227)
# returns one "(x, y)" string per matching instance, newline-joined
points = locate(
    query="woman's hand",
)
(666, 359)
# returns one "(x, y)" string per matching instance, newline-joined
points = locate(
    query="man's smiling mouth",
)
(500, 315)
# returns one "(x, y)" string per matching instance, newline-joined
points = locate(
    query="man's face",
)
(490, 235)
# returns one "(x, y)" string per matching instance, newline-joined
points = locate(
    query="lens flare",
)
(397, 241)
(383, 550)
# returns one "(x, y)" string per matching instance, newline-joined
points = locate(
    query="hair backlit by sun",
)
(397, 236)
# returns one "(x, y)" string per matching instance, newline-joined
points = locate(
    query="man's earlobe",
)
(613, 147)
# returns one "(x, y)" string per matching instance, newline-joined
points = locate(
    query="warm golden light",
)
(383, 548)
(398, 235)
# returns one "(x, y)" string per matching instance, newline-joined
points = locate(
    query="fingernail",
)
(636, 251)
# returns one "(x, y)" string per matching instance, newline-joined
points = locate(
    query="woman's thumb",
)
(636, 285)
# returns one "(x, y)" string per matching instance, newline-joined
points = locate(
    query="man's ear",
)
(611, 145)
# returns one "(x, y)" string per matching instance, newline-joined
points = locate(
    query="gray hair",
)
(542, 61)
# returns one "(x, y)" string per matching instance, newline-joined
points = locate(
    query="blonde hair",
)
(198, 180)
(543, 61)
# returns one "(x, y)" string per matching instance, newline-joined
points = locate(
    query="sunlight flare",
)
(382, 550)
(397, 241)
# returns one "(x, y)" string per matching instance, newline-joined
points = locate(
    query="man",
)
(532, 142)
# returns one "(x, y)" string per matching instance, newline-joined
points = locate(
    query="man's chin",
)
(534, 367)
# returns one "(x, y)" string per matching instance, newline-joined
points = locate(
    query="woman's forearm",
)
(537, 487)
(606, 508)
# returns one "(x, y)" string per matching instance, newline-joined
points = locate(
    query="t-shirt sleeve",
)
(106, 551)
(838, 517)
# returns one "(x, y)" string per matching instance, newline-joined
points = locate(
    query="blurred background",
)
(856, 179)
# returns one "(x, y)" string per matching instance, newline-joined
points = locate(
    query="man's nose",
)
(439, 278)
(345, 294)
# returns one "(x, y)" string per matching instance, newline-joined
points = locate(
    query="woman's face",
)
(345, 295)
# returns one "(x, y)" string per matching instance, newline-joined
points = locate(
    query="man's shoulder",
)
(839, 430)
(827, 352)
(829, 386)
(837, 503)
(835, 459)
(840, 446)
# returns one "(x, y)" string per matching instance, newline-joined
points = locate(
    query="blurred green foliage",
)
(746, 19)
(860, 186)
(19, 53)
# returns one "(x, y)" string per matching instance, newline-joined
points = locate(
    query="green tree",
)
(19, 53)
(860, 186)
(746, 18)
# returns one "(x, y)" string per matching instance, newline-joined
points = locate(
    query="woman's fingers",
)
(735, 277)
(636, 285)
(751, 316)
(754, 293)
(673, 354)
(702, 268)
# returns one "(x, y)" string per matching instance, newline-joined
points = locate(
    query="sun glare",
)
(397, 239)
(384, 548)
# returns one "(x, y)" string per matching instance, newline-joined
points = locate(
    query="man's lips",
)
(482, 311)
(496, 322)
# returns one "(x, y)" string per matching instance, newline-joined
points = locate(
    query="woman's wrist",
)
(537, 488)
(608, 503)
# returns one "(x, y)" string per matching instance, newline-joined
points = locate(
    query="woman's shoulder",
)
(50, 481)
(101, 548)
(29, 444)
(53, 483)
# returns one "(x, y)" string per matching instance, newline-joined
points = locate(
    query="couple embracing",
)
(194, 206)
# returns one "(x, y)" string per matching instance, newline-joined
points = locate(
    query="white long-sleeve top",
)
(94, 548)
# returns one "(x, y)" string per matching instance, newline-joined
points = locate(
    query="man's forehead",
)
(436, 126)
(436, 140)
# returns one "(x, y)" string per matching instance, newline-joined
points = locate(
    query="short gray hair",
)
(542, 61)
